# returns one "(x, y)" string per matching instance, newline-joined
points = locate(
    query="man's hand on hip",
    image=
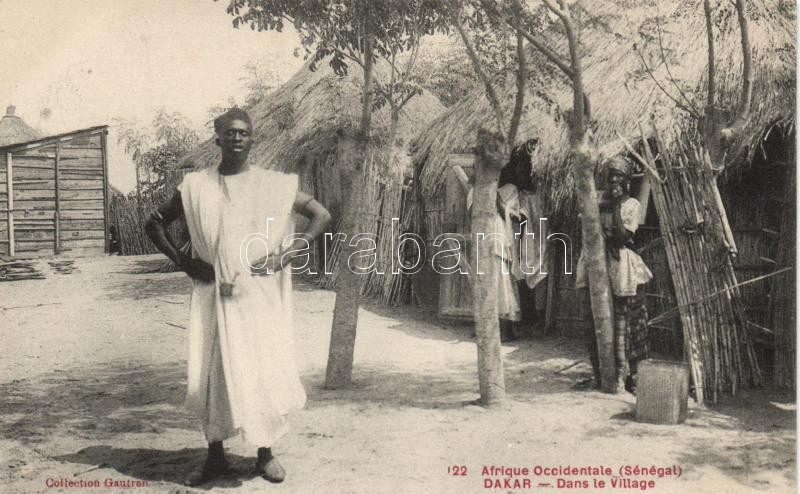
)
(198, 269)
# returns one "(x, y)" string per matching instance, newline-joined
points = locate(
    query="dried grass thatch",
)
(616, 35)
(622, 92)
(295, 130)
(14, 130)
(296, 125)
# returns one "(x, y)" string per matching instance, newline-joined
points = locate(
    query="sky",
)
(92, 62)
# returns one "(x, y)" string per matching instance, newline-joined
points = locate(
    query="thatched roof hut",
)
(295, 130)
(296, 126)
(616, 35)
(14, 130)
(622, 92)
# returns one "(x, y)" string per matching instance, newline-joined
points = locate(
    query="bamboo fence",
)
(129, 214)
(699, 246)
(382, 198)
(782, 296)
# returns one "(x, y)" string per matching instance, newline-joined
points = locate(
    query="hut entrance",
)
(761, 207)
(455, 291)
(451, 216)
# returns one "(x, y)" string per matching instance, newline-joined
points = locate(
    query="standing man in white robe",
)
(242, 376)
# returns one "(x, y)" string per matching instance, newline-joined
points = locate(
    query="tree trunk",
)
(593, 248)
(717, 134)
(394, 125)
(351, 154)
(339, 372)
(484, 282)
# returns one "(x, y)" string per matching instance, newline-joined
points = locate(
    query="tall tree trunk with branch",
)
(493, 152)
(591, 228)
(719, 135)
(352, 152)
(593, 247)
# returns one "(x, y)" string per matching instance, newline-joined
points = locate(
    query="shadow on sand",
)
(95, 403)
(161, 466)
(100, 403)
(531, 371)
(147, 288)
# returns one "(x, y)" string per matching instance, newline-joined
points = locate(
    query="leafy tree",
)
(445, 71)
(156, 150)
(260, 78)
(347, 33)
(476, 16)
(494, 144)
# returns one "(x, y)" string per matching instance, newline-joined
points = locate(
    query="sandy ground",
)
(92, 376)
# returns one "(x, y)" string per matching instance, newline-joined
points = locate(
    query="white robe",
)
(630, 271)
(242, 374)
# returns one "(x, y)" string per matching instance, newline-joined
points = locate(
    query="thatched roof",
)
(298, 122)
(14, 130)
(622, 93)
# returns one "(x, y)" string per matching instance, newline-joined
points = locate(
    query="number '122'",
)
(457, 470)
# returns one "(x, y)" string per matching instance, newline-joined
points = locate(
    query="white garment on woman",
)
(507, 295)
(630, 271)
(242, 374)
(530, 250)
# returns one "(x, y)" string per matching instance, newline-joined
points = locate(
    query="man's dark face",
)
(616, 183)
(235, 140)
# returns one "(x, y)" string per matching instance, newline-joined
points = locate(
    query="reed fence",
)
(699, 245)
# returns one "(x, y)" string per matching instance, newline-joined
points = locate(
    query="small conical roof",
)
(14, 130)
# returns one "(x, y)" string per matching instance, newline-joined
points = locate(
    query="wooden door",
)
(455, 291)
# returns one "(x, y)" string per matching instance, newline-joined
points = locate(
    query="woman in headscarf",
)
(620, 215)
(508, 308)
(521, 202)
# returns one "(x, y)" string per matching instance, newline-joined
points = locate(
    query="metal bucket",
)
(662, 392)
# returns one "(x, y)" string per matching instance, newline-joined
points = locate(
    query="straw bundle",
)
(699, 245)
